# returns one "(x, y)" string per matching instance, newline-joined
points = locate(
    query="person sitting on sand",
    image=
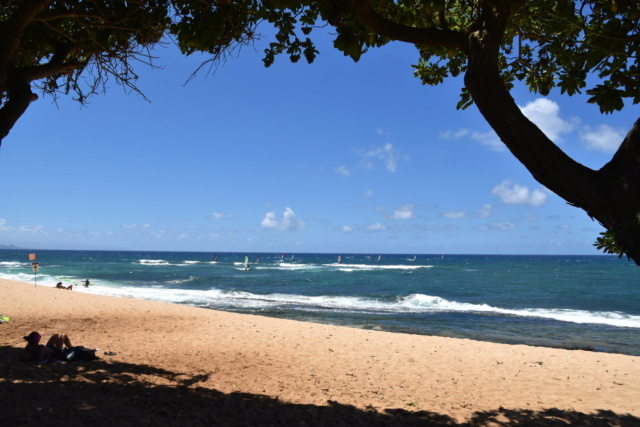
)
(59, 285)
(53, 350)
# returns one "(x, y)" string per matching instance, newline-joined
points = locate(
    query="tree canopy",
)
(590, 47)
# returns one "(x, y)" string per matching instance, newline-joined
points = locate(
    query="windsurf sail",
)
(215, 258)
(246, 262)
(339, 259)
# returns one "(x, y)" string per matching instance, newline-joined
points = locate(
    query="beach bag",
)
(79, 353)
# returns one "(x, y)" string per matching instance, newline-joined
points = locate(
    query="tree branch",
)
(56, 65)
(420, 36)
(25, 13)
(11, 31)
(548, 164)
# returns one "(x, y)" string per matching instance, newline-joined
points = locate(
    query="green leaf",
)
(465, 100)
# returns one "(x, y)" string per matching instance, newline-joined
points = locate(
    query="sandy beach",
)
(179, 365)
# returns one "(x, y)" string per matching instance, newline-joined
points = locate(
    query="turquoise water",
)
(590, 302)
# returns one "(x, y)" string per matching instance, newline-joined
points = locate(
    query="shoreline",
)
(79, 288)
(496, 299)
(286, 368)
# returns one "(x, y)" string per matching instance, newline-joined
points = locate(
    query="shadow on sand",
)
(78, 393)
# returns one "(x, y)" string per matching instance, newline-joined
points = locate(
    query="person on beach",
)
(86, 283)
(59, 285)
(53, 350)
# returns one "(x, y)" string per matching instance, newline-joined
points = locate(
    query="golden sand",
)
(180, 365)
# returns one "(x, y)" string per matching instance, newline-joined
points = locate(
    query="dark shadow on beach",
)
(107, 392)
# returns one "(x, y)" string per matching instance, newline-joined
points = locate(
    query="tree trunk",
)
(17, 99)
(611, 195)
(620, 209)
(15, 87)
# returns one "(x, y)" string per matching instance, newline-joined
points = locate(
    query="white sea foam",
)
(154, 262)
(292, 266)
(564, 315)
(181, 281)
(22, 277)
(364, 267)
(417, 303)
(13, 264)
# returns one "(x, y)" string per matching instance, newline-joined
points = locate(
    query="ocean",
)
(581, 302)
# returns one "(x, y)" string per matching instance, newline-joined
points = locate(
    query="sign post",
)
(34, 267)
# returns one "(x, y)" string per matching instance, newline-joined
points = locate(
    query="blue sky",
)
(335, 156)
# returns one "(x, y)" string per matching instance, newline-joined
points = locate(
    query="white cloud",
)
(289, 222)
(546, 115)
(23, 229)
(602, 138)
(403, 212)
(488, 139)
(381, 131)
(485, 211)
(135, 226)
(367, 194)
(542, 111)
(217, 215)
(159, 234)
(376, 227)
(514, 194)
(506, 225)
(454, 214)
(30, 229)
(346, 228)
(269, 220)
(342, 170)
(387, 154)
(455, 134)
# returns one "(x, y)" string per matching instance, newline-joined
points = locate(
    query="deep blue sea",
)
(587, 302)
